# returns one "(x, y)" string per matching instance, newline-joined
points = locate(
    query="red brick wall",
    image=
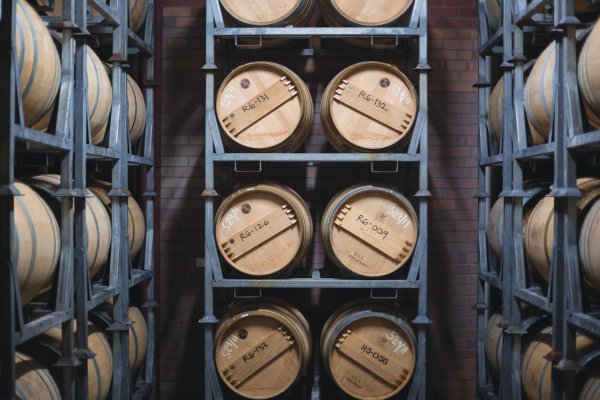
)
(452, 238)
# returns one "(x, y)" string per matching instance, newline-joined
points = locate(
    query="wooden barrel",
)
(269, 12)
(369, 106)
(539, 230)
(539, 92)
(138, 339)
(532, 321)
(44, 123)
(493, 11)
(263, 106)
(38, 64)
(536, 370)
(262, 348)
(136, 222)
(591, 387)
(137, 110)
(364, 13)
(100, 367)
(98, 226)
(263, 229)
(138, 332)
(36, 244)
(136, 106)
(137, 11)
(369, 230)
(369, 350)
(494, 342)
(33, 380)
(588, 75)
(539, 89)
(495, 230)
(495, 110)
(589, 252)
(99, 96)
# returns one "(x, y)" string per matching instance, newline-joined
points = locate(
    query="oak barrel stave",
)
(369, 13)
(539, 230)
(270, 13)
(98, 225)
(588, 76)
(591, 387)
(534, 190)
(137, 110)
(493, 11)
(100, 367)
(536, 369)
(532, 321)
(136, 222)
(138, 332)
(33, 380)
(364, 13)
(494, 342)
(38, 65)
(36, 244)
(589, 254)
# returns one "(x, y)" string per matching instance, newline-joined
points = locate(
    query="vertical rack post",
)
(7, 193)
(482, 306)
(511, 376)
(565, 260)
(80, 253)
(211, 383)
(65, 128)
(422, 321)
(150, 303)
(119, 141)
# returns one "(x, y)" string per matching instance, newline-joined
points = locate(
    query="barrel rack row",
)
(416, 154)
(504, 53)
(73, 294)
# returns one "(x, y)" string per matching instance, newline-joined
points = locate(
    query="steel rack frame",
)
(215, 153)
(567, 143)
(76, 294)
(13, 328)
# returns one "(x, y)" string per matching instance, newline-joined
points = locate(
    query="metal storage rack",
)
(75, 294)
(567, 144)
(416, 154)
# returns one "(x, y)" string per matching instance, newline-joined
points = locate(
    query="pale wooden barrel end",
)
(368, 107)
(264, 107)
(263, 229)
(369, 350)
(369, 230)
(262, 348)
